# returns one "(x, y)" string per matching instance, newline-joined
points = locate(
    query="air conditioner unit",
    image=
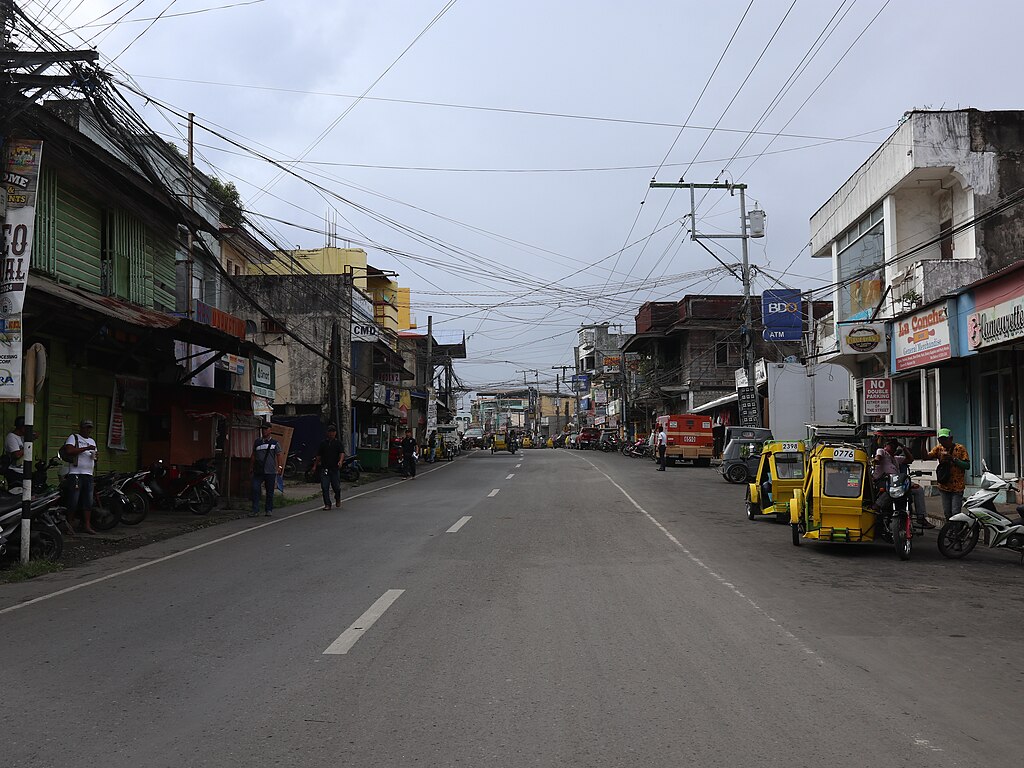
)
(846, 406)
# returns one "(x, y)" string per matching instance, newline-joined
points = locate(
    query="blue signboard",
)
(581, 382)
(782, 309)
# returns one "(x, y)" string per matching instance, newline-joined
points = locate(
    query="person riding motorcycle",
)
(890, 459)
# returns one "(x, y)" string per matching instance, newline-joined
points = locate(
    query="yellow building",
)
(320, 261)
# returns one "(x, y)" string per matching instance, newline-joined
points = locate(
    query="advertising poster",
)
(21, 181)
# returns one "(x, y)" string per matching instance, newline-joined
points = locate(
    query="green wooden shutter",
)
(78, 239)
(44, 244)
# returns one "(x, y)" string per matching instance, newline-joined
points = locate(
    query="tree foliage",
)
(230, 202)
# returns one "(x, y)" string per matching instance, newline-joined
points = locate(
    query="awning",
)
(83, 309)
(639, 341)
(716, 403)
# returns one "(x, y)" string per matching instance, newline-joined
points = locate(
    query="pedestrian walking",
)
(14, 451)
(950, 474)
(431, 446)
(266, 466)
(662, 443)
(329, 458)
(80, 452)
(409, 455)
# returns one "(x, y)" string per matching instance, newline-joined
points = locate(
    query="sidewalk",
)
(161, 524)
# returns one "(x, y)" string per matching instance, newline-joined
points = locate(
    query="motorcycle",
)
(46, 542)
(961, 532)
(609, 444)
(896, 521)
(350, 469)
(110, 503)
(638, 450)
(191, 488)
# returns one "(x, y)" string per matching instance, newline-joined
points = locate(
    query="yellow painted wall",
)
(319, 261)
(404, 313)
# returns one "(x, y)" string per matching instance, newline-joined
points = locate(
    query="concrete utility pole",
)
(747, 338)
(536, 373)
(563, 369)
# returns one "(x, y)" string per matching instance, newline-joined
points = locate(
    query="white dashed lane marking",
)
(461, 522)
(349, 637)
(493, 493)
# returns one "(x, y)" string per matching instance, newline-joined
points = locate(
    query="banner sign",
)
(782, 314)
(922, 338)
(877, 397)
(994, 325)
(862, 338)
(581, 382)
(115, 428)
(21, 181)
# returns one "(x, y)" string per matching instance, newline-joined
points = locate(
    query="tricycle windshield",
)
(843, 479)
(789, 466)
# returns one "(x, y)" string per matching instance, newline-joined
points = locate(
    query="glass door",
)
(998, 425)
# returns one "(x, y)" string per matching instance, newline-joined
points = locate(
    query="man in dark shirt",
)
(329, 458)
(409, 454)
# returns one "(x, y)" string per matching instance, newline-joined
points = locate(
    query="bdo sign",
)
(782, 312)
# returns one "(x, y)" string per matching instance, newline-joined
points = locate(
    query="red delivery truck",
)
(689, 438)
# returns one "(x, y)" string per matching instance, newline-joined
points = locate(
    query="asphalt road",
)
(589, 612)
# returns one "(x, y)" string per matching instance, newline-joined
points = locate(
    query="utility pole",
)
(529, 399)
(563, 369)
(747, 338)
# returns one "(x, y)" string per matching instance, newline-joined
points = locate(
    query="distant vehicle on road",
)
(689, 438)
(474, 438)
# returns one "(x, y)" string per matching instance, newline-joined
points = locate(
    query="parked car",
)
(588, 438)
(474, 438)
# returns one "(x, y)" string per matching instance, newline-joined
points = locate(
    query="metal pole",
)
(810, 355)
(29, 386)
(191, 206)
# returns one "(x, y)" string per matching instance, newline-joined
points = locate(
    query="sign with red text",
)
(922, 338)
(877, 397)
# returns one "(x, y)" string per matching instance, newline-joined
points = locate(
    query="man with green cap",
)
(950, 475)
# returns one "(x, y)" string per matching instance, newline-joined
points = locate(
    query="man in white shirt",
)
(80, 452)
(662, 443)
(14, 447)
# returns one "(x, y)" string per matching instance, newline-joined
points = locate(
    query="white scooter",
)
(961, 532)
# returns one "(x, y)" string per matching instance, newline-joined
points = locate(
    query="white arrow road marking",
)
(461, 522)
(493, 493)
(349, 637)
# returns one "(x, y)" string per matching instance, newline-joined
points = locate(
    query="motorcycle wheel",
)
(201, 501)
(957, 539)
(737, 473)
(349, 475)
(46, 544)
(136, 509)
(900, 541)
(106, 517)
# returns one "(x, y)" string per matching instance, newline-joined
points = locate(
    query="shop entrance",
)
(998, 422)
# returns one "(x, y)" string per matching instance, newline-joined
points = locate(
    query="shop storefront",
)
(992, 336)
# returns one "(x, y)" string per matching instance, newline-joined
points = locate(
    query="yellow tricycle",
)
(780, 473)
(836, 503)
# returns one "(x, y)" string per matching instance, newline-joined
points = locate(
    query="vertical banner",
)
(21, 182)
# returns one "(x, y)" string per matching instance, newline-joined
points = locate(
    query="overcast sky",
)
(511, 224)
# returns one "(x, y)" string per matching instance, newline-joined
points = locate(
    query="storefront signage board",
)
(922, 338)
(997, 324)
(862, 338)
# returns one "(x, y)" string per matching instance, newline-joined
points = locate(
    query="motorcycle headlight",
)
(897, 491)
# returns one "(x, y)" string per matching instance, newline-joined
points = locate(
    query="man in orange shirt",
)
(954, 461)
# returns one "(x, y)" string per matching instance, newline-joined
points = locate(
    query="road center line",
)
(98, 580)
(461, 522)
(493, 493)
(509, 477)
(518, 466)
(349, 637)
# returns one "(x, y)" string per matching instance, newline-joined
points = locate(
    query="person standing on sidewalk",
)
(950, 475)
(79, 451)
(329, 458)
(14, 450)
(409, 455)
(662, 442)
(266, 467)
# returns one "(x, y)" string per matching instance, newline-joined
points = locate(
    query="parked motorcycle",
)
(350, 469)
(961, 532)
(110, 504)
(609, 443)
(638, 450)
(46, 541)
(190, 488)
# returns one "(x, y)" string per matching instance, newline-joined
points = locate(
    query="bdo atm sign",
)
(782, 312)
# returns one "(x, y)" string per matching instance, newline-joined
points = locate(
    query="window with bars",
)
(125, 267)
